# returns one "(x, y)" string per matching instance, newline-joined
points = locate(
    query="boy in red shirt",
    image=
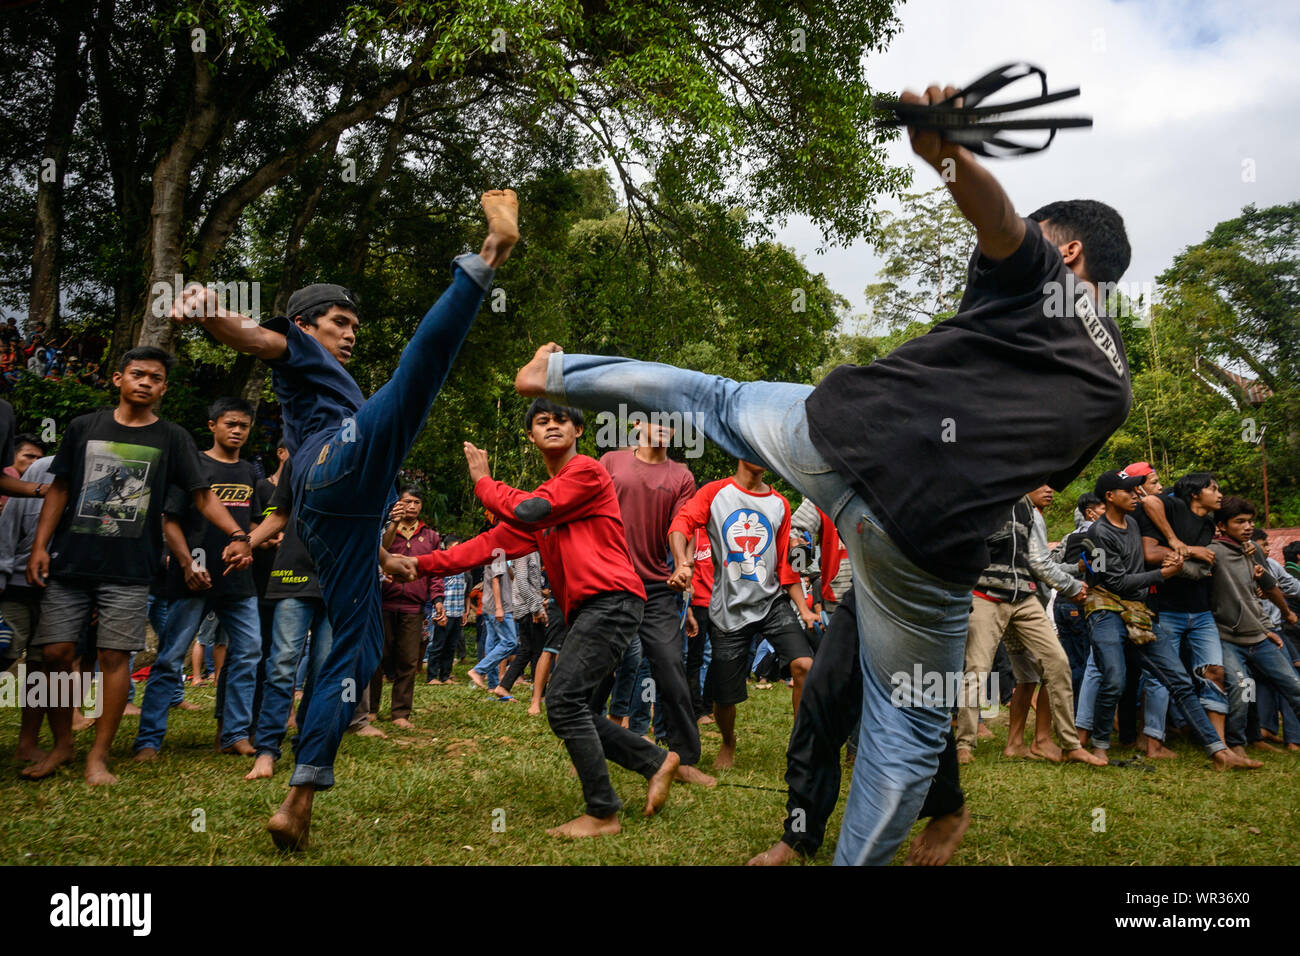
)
(753, 584)
(573, 519)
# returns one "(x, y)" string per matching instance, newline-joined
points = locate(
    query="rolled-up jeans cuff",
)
(1215, 747)
(321, 778)
(1101, 744)
(473, 265)
(1154, 733)
(555, 376)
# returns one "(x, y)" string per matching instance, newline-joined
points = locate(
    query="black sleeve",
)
(184, 468)
(282, 500)
(1145, 525)
(71, 449)
(6, 434)
(1034, 262)
(176, 503)
(1061, 480)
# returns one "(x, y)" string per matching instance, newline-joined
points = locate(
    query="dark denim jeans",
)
(442, 649)
(346, 495)
(598, 635)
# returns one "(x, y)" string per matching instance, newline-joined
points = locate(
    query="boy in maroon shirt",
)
(573, 519)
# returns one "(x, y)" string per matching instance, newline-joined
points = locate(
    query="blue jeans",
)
(906, 616)
(638, 715)
(1072, 629)
(1202, 637)
(158, 620)
(346, 494)
(238, 615)
(1108, 632)
(1249, 667)
(502, 639)
(294, 618)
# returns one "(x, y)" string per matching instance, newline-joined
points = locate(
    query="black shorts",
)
(729, 668)
(556, 629)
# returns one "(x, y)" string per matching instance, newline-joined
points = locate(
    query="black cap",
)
(320, 293)
(1114, 481)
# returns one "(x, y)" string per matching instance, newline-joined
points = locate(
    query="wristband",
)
(241, 537)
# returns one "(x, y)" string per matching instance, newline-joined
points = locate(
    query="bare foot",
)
(1266, 747)
(706, 719)
(188, 705)
(1270, 736)
(935, 845)
(534, 710)
(1101, 755)
(1084, 737)
(502, 693)
(81, 722)
(293, 721)
(97, 774)
(372, 717)
(263, 768)
(48, 764)
(502, 209)
(1046, 750)
(241, 748)
(1082, 756)
(983, 733)
(964, 755)
(1293, 747)
(587, 826)
(531, 379)
(657, 789)
(689, 774)
(370, 730)
(726, 758)
(30, 753)
(778, 854)
(146, 755)
(434, 680)
(403, 723)
(131, 710)
(479, 680)
(1234, 758)
(1154, 749)
(290, 826)
(1015, 750)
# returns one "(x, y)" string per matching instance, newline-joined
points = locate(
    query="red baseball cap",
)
(1138, 469)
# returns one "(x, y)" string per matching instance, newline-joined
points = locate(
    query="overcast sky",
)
(1182, 94)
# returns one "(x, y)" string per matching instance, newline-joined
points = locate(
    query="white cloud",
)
(1181, 94)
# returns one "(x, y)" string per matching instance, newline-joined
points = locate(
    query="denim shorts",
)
(123, 614)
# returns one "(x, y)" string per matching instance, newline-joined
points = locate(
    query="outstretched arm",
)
(978, 195)
(478, 550)
(199, 304)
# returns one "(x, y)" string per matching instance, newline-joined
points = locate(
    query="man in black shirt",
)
(1183, 601)
(1019, 389)
(1117, 573)
(98, 543)
(198, 581)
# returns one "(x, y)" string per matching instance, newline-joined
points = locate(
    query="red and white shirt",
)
(749, 535)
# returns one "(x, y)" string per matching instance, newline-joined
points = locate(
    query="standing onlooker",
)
(403, 605)
(448, 634)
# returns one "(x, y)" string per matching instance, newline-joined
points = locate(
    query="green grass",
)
(428, 796)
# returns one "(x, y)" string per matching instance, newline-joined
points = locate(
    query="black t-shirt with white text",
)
(943, 435)
(235, 485)
(294, 572)
(1179, 594)
(118, 476)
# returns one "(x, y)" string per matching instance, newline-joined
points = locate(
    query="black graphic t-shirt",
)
(235, 485)
(117, 479)
(944, 434)
(294, 573)
(263, 558)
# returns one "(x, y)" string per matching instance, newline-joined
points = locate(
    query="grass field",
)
(433, 795)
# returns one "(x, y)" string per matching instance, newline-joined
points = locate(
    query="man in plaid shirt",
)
(444, 637)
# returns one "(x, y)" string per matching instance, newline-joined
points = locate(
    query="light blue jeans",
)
(906, 616)
(502, 639)
(1202, 636)
(294, 619)
(238, 615)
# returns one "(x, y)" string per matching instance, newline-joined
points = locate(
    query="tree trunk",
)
(69, 94)
(365, 219)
